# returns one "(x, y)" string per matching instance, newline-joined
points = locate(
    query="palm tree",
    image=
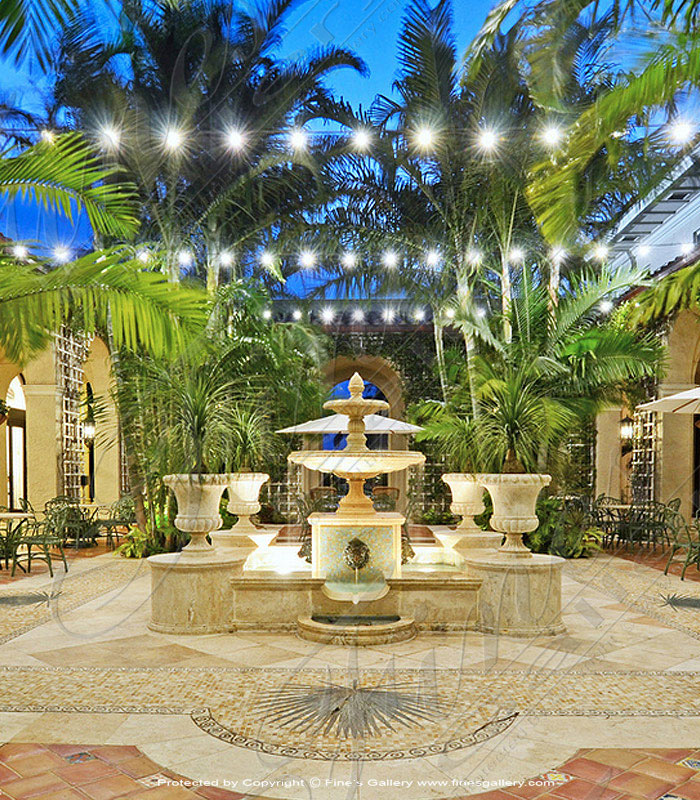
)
(28, 27)
(103, 290)
(562, 365)
(226, 178)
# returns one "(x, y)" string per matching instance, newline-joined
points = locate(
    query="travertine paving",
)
(626, 674)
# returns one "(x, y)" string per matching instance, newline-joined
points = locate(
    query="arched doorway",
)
(16, 443)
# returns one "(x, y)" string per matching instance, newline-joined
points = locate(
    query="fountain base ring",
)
(352, 630)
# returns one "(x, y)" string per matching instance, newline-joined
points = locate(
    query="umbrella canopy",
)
(338, 423)
(687, 402)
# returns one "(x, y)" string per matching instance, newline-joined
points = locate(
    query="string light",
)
(184, 258)
(390, 259)
(20, 251)
(296, 314)
(358, 315)
(143, 256)
(480, 312)
(432, 258)
(425, 137)
(474, 257)
(450, 313)
(110, 137)
(558, 255)
(488, 139)
(48, 136)
(419, 315)
(235, 140)
(643, 250)
(552, 135)
(267, 314)
(680, 132)
(61, 254)
(388, 315)
(349, 259)
(606, 306)
(307, 259)
(600, 251)
(686, 248)
(327, 315)
(516, 255)
(173, 139)
(226, 258)
(267, 259)
(298, 139)
(361, 139)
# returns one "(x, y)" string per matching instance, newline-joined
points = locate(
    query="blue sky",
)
(368, 27)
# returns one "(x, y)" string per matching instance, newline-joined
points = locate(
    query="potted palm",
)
(198, 437)
(250, 445)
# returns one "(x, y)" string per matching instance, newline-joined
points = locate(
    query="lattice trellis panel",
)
(71, 353)
(644, 457)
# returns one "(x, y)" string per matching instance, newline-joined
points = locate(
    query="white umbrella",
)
(338, 423)
(687, 402)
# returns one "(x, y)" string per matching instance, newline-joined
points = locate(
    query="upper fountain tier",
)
(356, 461)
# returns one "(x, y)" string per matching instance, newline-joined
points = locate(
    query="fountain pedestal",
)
(331, 534)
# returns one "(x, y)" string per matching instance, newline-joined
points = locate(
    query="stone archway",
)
(383, 375)
(374, 369)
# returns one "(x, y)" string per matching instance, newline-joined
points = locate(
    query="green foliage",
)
(564, 530)
(138, 544)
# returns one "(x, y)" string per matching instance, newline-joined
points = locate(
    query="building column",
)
(675, 453)
(43, 437)
(608, 453)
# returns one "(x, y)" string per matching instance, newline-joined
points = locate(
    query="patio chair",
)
(684, 538)
(118, 518)
(38, 543)
(607, 518)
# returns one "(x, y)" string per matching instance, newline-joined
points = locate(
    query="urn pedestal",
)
(243, 492)
(520, 592)
(468, 502)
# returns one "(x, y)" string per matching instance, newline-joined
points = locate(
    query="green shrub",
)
(138, 544)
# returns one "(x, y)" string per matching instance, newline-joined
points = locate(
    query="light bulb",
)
(432, 258)
(390, 259)
(235, 140)
(600, 251)
(488, 139)
(296, 314)
(474, 257)
(552, 135)
(361, 139)
(388, 315)
(173, 139)
(298, 139)
(643, 250)
(307, 259)
(184, 258)
(450, 313)
(680, 132)
(557, 255)
(111, 137)
(143, 256)
(267, 259)
(61, 254)
(606, 306)
(425, 137)
(48, 136)
(225, 258)
(419, 315)
(20, 251)
(349, 259)
(327, 315)
(267, 314)
(516, 255)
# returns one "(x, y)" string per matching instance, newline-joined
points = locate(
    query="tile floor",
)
(88, 642)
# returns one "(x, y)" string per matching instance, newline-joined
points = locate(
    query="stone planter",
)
(198, 498)
(243, 491)
(514, 499)
(468, 502)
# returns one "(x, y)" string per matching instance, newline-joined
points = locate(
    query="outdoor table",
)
(12, 533)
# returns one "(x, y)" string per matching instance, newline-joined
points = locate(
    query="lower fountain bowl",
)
(356, 630)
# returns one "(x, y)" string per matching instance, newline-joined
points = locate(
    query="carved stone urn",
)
(198, 498)
(468, 502)
(514, 501)
(243, 492)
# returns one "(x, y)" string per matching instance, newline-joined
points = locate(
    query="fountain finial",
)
(356, 386)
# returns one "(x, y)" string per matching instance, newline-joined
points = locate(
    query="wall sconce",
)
(89, 431)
